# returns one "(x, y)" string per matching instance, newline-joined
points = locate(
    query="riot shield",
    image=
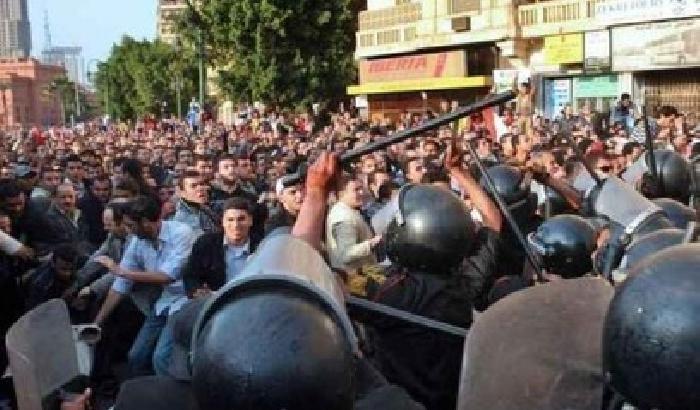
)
(285, 261)
(538, 349)
(42, 353)
(622, 204)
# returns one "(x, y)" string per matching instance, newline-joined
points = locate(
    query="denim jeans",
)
(142, 351)
(164, 350)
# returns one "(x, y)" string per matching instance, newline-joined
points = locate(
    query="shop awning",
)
(423, 84)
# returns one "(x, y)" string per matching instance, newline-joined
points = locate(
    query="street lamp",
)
(196, 19)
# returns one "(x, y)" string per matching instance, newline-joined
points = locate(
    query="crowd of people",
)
(135, 226)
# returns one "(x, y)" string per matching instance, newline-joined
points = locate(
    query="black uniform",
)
(425, 362)
(166, 393)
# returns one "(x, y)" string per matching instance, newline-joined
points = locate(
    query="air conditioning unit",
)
(461, 24)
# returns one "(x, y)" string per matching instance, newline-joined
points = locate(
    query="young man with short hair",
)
(192, 208)
(155, 256)
(350, 241)
(218, 258)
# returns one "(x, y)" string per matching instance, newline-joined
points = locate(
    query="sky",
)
(94, 25)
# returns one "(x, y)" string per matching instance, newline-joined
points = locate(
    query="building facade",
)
(168, 12)
(15, 34)
(70, 58)
(25, 96)
(414, 53)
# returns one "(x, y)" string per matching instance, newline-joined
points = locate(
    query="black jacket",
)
(207, 263)
(59, 229)
(92, 209)
(218, 197)
(425, 362)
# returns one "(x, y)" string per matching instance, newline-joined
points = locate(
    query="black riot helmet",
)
(651, 334)
(277, 337)
(678, 213)
(514, 188)
(432, 230)
(674, 176)
(555, 203)
(509, 183)
(648, 244)
(565, 243)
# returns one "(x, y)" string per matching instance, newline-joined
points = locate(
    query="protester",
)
(178, 211)
(219, 257)
(154, 257)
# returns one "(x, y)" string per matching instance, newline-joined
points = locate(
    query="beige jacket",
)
(347, 238)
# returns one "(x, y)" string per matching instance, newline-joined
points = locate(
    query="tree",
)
(283, 52)
(139, 75)
(64, 89)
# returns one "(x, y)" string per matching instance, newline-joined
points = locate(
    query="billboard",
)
(563, 49)
(596, 50)
(413, 67)
(613, 12)
(654, 46)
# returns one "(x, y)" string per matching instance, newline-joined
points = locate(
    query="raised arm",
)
(481, 201)
(312, 215)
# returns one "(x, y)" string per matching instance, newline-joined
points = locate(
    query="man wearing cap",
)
(289, 200)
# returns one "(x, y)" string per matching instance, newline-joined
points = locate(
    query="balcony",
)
(557, 17)
(385, 31)
(390, 17)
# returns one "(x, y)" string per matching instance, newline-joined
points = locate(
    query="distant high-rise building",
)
(15, 34)
(168, 12)
(70, 58)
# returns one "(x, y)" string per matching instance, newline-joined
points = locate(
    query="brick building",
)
(25, 98)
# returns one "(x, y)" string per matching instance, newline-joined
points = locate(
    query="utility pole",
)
(77, 100)
(178, 80)
(196, 20)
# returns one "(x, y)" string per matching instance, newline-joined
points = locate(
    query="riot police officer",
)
(651, 334)
(278, 336)
(565, 244)
(440, 263)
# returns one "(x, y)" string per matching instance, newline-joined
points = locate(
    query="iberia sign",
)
(419, 66)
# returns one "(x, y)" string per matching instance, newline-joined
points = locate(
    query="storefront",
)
(552, 63)
(584, 79)
(665, 61)
(420, 82)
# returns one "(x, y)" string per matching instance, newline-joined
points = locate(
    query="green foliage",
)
(64, 88)
(283, 52)
(140, 74)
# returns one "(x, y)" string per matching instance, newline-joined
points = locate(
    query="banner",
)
(596, 86)
(557, 96)
(596, 50)
(654, 46)
(564, 49)
(412, 67)
(613, 12)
